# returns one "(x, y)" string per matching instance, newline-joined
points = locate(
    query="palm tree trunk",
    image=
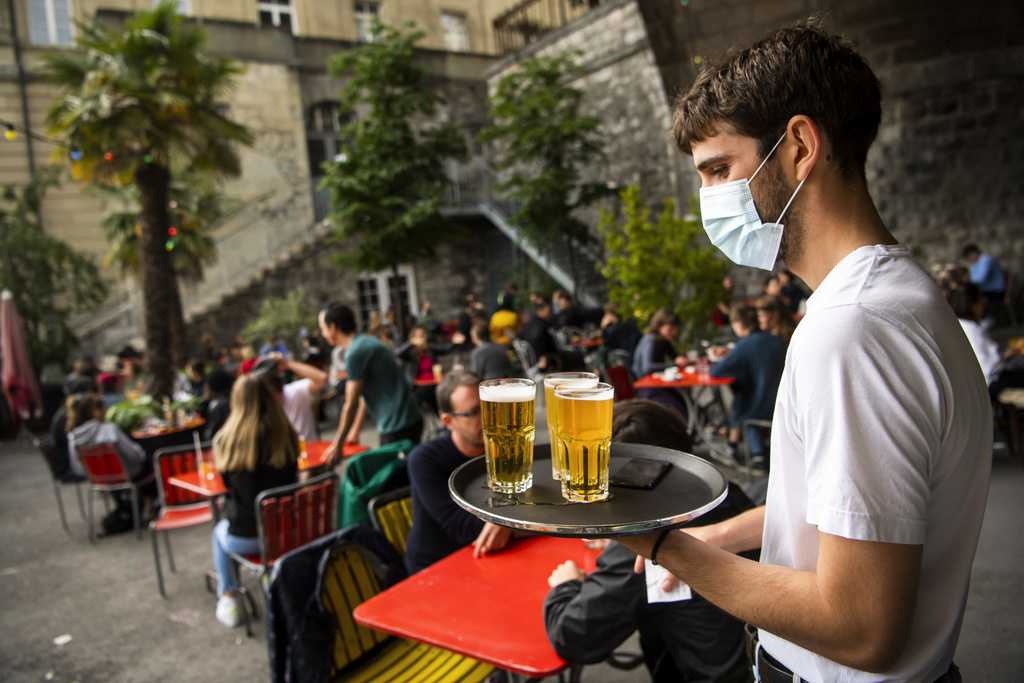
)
(158, 282)
(180, 349)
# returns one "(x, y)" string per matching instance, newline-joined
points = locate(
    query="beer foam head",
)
(570, 383)
(508, 393)
(600, 392)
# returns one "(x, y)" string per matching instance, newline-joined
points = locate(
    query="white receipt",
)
(655, 574)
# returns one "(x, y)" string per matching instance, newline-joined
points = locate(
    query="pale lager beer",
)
(508, 410)
(567, 379)
(585, 429)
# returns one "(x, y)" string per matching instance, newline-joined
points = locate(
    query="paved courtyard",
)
(101, 603)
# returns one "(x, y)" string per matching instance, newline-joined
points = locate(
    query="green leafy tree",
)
(196, 209)
(141, 104)
(281, 317)
(546, 142)
(388, 190)
(661, 264)
(48, 279)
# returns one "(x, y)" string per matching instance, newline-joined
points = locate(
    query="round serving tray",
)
(691, 488)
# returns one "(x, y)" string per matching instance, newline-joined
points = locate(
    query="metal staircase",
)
(472, 192)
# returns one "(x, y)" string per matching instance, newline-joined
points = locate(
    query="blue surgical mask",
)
(734, 226)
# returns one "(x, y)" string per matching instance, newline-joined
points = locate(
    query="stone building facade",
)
(943, 171)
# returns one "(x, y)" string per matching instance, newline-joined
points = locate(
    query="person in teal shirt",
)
(373, 378)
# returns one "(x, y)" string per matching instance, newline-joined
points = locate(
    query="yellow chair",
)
(361, 653)
(391, 514)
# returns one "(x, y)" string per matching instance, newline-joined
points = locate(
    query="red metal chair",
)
(618, 377)
(178, 508)
(288, 517)
(108, 474)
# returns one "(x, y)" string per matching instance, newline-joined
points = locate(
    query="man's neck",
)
(838, 219)
(345, 340)
(466, 448)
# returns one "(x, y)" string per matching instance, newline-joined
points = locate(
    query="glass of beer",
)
(568, 379)
(585, 429)
(508, 411)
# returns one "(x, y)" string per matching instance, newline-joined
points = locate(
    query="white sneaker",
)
(227, 611)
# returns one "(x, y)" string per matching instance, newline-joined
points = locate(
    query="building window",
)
(375, 291)
(322, 141)
(277, 13)
(49, 22)
(453, 28)
(366, 12)
(184, 7)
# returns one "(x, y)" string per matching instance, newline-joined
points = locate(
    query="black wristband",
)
(657, 544)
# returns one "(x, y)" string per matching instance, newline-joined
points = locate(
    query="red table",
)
(686, 379)
(586, 343)
(489, 608)
(315, 452)
(191, 481)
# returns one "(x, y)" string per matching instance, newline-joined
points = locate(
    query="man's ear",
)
(447, 420)
(803, 147)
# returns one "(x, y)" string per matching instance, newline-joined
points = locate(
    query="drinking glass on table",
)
(585, 431)
(551, 382)
(508, 411)
(205, 465)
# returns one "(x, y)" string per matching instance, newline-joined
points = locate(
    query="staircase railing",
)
(473, 188)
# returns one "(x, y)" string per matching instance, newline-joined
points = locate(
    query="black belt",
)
(767, 669)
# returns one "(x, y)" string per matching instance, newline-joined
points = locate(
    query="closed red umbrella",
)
(19, 378)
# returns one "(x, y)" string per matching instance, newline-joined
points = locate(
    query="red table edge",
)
(194, 487)
(654, 381)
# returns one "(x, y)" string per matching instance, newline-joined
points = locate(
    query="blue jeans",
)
(224, 543)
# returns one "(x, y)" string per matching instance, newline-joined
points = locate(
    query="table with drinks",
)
(687, 379)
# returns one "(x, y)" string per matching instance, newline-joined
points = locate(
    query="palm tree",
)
(196, 210)
(142, 104)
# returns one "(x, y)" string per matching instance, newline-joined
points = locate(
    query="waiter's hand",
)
(491, 539)
(567, 571)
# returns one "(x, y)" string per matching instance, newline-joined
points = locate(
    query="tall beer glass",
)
(508, 409)
(585, 427)
(568, 379)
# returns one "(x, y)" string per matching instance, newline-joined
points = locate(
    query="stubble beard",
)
(770, 199)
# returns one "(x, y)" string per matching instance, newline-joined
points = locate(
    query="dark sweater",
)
(244, 487)
(439, 526)
(756, 364)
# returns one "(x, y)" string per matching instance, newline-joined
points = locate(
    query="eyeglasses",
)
(472, 412)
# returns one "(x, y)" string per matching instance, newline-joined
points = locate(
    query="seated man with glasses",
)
(439, 526)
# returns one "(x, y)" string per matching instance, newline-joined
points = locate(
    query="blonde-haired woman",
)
(257, 449)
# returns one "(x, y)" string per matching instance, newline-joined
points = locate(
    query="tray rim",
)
(612, 530)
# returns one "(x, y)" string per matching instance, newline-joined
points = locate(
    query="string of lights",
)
(11, 133)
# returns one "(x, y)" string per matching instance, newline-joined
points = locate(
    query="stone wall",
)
(946, 166)
(445, 281)
(623, 86)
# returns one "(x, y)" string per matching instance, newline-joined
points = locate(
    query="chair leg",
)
(156, 562)
(135, 512)
(92, 532)
(170, 555)
(60, 507)
(81, 503)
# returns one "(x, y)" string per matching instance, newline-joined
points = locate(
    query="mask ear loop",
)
(767, 157)
(793, 197)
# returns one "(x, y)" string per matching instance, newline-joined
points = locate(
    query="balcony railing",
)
(530, 19)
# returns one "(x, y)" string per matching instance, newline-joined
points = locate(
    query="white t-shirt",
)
(985, 348)
(882, 432)
(298, 406)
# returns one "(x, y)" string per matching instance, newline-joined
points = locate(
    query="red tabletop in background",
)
(315, 452)
(191, 481)
(586, 343)
(686, 379)
(489, 608)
